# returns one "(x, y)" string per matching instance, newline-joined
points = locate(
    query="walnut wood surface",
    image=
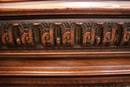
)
(65, 67)
(67, 53)
(65, 43)
(65, 8)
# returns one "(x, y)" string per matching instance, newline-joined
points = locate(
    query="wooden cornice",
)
(78, 53)
(64, 43)
(65, 8)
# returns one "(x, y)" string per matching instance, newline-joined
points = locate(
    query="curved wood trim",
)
(65, 8)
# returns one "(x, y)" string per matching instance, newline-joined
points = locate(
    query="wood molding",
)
(67, 53)
(64, 34)
(114, 81)
(65, 43)
(65, 8)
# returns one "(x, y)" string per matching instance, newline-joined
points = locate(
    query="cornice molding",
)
(65, 8)
(64, 34)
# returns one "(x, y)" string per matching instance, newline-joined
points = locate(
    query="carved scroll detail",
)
(109, 34)
(126, 35)
(42, 31)
(27, 38)
(7, 38)
(1, 34)
(48, 37)
(58, 38)
(88, 36)
(68, 36)
(65, 34)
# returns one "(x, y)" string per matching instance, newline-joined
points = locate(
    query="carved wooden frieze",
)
(65, 34)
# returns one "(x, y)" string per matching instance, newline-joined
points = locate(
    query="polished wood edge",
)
(75, 53)
(65, 8)
(7, 1)
(64, 62)
(70, 81)
(66, 71)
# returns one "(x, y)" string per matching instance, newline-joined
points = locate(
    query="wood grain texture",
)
(65, 8)
(65, 43)
(65, 67)
(67, 81)
(76, 53)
